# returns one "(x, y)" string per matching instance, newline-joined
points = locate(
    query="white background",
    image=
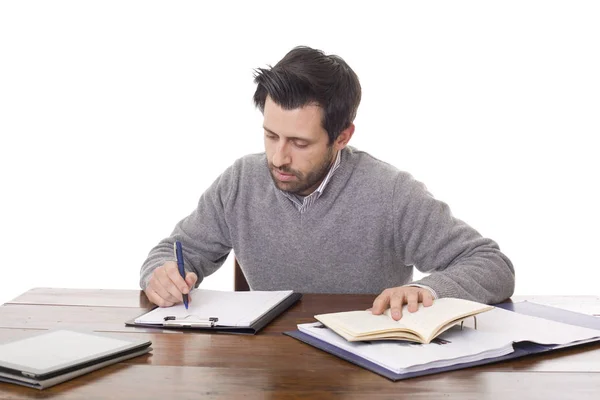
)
(116, 115)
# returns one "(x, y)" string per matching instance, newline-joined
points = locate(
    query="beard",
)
(305, 183)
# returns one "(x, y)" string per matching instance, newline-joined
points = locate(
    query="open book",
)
(501, 334)
(421, 326)
(234, 312)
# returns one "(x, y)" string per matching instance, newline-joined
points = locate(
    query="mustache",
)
(285, 170)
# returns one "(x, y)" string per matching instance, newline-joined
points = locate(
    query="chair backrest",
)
(240, 284)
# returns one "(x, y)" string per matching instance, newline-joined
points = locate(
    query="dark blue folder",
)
(521, 348)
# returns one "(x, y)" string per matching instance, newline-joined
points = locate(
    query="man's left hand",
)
(395, 298)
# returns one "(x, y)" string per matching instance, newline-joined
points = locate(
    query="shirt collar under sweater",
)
(302, 206)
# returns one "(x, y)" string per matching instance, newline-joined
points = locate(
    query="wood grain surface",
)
(268, 365)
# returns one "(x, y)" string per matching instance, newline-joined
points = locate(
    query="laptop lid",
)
(56, 352)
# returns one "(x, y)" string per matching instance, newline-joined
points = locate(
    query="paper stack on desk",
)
(500, 334)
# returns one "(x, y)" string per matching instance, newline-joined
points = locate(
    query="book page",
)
(237, 309)
(425, 322)
(356, 325)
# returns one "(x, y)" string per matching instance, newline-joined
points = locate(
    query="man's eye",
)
(300, 145)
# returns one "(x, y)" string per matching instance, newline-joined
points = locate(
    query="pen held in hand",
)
(179, 255)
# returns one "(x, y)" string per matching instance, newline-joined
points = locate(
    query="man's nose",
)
(281, 156)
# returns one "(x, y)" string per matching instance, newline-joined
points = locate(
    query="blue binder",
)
(521, 348)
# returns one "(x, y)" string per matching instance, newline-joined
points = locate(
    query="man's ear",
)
(344, 137)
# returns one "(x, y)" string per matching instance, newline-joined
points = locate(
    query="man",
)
(317, 216)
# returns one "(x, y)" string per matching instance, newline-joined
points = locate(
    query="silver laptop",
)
(55, 356)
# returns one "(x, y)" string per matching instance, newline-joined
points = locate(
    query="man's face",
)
(297, 147)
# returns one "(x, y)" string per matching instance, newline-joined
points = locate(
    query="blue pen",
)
(179, 254)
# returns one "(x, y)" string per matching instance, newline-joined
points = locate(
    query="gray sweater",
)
(365, 233)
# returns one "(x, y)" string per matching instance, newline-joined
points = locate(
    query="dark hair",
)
(308, 76)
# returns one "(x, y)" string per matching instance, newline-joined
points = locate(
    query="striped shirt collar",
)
(311, 198)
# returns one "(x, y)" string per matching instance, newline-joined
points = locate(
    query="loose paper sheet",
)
(237, 309)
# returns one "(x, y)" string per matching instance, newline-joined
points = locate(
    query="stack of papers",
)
(497, 331)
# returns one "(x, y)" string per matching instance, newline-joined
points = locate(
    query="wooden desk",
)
(268, 365)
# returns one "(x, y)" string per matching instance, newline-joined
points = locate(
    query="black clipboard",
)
(211, 323)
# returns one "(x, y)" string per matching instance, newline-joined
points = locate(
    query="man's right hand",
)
(166, 286)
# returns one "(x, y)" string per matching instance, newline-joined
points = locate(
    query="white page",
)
(425, 320)
(496, 329)
(400, 356)
(582, 304)
(520, 327)
(239, 309)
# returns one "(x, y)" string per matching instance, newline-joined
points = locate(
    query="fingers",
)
(396, 298)
(412, 299)
(191, 279)
(158, 287)
(381, 303)
(156, 299)
(426, 298)
(166, 285)
(397, 301)
(174, 276)
(169, 289)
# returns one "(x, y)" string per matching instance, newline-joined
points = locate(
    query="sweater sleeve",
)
(460, 262)
(204, 234)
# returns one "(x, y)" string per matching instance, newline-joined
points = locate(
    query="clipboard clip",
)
(190, 321)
